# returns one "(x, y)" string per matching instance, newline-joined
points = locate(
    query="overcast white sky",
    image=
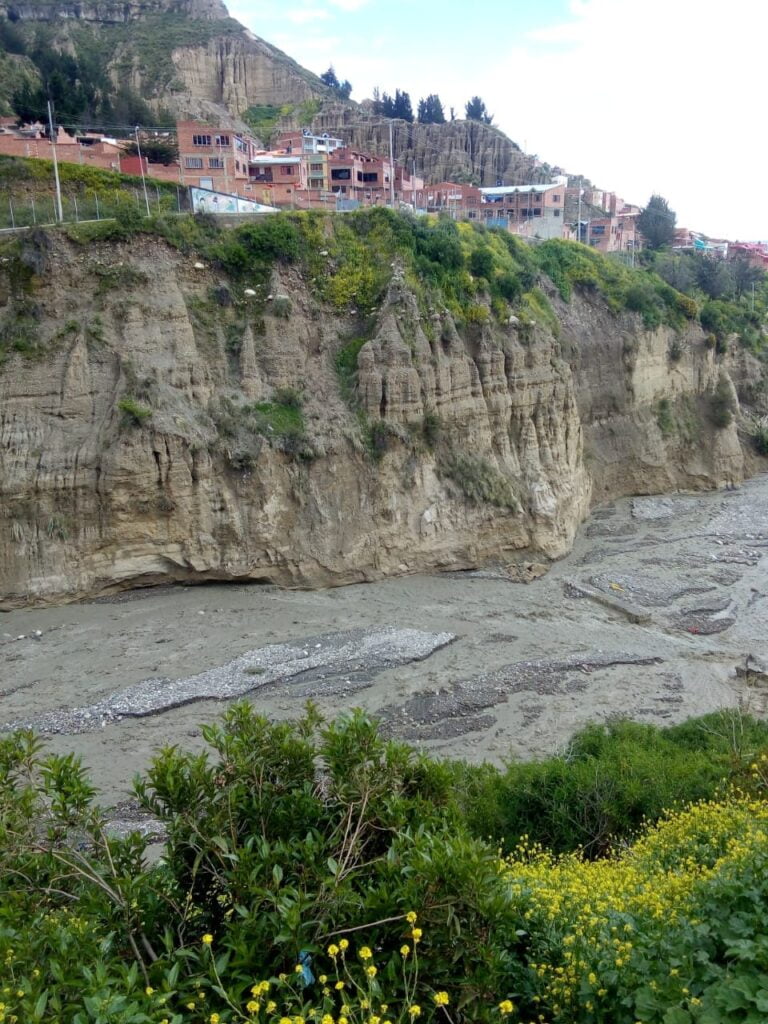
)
(642, 96)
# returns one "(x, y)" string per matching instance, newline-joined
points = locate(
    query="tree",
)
(431, 110)
(157, 151)
(476, 110)
(745, 274)
(330, 79)
(657, 223)
(342, 89)
(398, 106)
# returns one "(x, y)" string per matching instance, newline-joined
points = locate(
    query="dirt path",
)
(659, 601)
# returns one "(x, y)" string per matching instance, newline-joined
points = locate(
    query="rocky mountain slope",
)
(161, 420)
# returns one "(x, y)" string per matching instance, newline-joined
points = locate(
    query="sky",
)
(641, 96)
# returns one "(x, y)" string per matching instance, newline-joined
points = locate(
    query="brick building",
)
(533, 210)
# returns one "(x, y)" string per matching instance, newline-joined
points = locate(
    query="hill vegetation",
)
(315, 871)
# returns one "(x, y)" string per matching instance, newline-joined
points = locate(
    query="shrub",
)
(481, 262)
(675, 350)
(664, 417)
(432, 428)
(282, 307)
(721, 404)
(133, 411)
(479, 481)
(760, 438)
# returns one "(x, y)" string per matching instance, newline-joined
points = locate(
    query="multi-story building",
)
(304, 142)
(277, 177)
(460, 201)
(533, 210)
(214, 158)
(359, 176)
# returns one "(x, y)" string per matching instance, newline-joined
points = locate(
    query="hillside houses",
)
(303, 170)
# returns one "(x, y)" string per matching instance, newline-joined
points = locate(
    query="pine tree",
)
(476, 110)
(430, 110)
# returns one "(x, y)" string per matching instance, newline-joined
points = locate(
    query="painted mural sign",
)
(206, 201)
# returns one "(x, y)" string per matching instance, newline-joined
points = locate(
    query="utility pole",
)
(413, 183)
(141, 166)
(391, 169)
(578, 222)
(59, 210)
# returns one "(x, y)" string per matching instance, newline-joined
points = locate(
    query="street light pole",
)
(141, 167)
(59, 210)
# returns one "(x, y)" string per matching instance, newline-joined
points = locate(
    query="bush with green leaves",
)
(323, 845)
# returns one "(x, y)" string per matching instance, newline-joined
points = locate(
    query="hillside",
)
(411, 396)
(120, 64)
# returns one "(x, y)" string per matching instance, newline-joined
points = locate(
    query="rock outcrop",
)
(119, 457)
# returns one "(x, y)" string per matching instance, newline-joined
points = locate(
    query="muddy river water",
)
(659, 612)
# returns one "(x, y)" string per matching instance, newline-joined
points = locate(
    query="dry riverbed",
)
(650, 616)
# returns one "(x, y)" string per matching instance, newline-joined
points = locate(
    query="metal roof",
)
(504, 190)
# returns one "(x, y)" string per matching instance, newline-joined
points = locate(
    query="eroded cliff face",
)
(94, 498)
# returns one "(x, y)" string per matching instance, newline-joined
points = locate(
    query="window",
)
(194, 163)
(598, 229)
(222, 140)
(315, 182)
(341, 174)
(286, 169)
(216, 163)
(557, 213)
(201, 140)
(371, 176)
(555, 199)
(537, 211)
(359, 175)
(316, 168)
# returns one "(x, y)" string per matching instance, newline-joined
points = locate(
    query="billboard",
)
(204, 200)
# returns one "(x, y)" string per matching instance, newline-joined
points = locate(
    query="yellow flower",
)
(333, 950)
(371, 971)
(441, 998)
(327, 1019)
(416, 934)
(252, 1006)
(414, 1011)
(339, 986)
(410, 917)
(405, 950)
(365, 953)
(298, 969)
(190, 1006)
(384, 1007)
(214, 1018)
(285, 1020)
(149, 990)
(506, 1006)
(365, 1004)
(344, 944)
(282, 977)
(322, 979)
(271, 1006)
(342, 1020)
(207, 939)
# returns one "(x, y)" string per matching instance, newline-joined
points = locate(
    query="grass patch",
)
(479, 481)
(134, 413)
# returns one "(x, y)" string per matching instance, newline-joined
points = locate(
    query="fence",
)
(18, 212)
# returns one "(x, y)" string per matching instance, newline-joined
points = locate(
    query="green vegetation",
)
(664, 417)
(262, 120)
(134, 413)
(322, 845)
(657, 223)
(722, 405)
(243, 428)
(477, 479)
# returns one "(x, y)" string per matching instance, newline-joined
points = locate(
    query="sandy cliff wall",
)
(92, 498)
